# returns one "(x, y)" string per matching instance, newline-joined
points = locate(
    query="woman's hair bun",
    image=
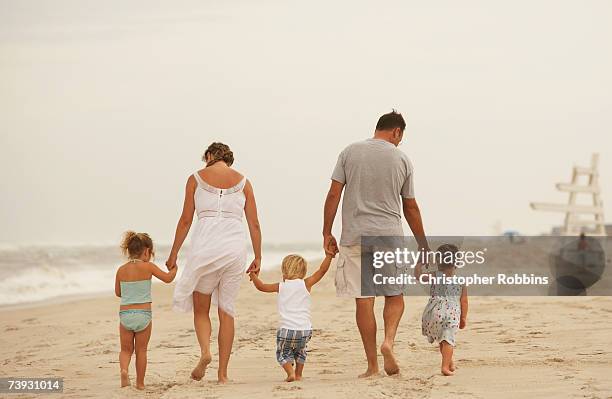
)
(218, 152)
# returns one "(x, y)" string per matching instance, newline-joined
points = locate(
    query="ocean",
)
(38, 273)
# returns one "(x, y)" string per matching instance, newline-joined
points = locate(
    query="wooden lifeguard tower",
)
(575, 221)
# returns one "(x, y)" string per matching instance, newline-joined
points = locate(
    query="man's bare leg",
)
(366, 322)
(392, 314)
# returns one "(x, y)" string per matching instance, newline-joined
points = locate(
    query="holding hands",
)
(171, 262)
(254, 267)
(330, 245)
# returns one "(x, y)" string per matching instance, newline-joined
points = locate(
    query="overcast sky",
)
(106, 108)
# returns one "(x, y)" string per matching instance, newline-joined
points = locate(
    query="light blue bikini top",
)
(134, 292)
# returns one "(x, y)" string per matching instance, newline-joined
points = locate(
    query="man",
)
(377, 179)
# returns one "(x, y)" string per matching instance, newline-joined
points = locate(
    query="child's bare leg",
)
(126, 338)
(446, 350)
(299, 369)
(142, 341)
(288, 367)
(201, 322)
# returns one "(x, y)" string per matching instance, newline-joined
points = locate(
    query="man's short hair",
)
(391, 121)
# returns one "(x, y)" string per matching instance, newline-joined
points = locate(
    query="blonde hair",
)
(294, 267)
(134, 244)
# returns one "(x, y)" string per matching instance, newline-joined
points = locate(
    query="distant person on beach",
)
(295, 325)
(219, 196)
(447, 309)
(583, 244)
(378, 183)
(133, 286)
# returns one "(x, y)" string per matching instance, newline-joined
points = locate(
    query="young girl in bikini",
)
(133, 286)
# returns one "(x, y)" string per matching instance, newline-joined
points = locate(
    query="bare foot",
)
(369, 373)
(447, 372)
(140, 386)
(298, 377)
(125, 379)
(222, 379)
(390, 363)
(200, 369)
(452, 366)
(290, 378)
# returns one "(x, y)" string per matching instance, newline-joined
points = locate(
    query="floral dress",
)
(441, 316)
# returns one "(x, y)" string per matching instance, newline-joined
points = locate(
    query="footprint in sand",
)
(596, 353)
(420, 381)
(167, 345)
(537, 333)
(287, 387)
(326, 371)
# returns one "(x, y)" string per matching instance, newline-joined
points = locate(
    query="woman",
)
(215, 265)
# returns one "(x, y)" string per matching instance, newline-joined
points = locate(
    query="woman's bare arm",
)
(250, 211)
(184, 223)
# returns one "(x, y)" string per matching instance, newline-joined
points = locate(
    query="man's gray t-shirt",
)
(376, 175)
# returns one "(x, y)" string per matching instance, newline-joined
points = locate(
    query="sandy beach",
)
(222, 136)
(512, 347)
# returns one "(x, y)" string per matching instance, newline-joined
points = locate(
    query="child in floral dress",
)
(446, 310)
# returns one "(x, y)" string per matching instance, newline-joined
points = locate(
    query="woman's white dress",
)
(217, 256)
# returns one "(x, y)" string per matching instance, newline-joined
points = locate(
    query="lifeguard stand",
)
(575, 223)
